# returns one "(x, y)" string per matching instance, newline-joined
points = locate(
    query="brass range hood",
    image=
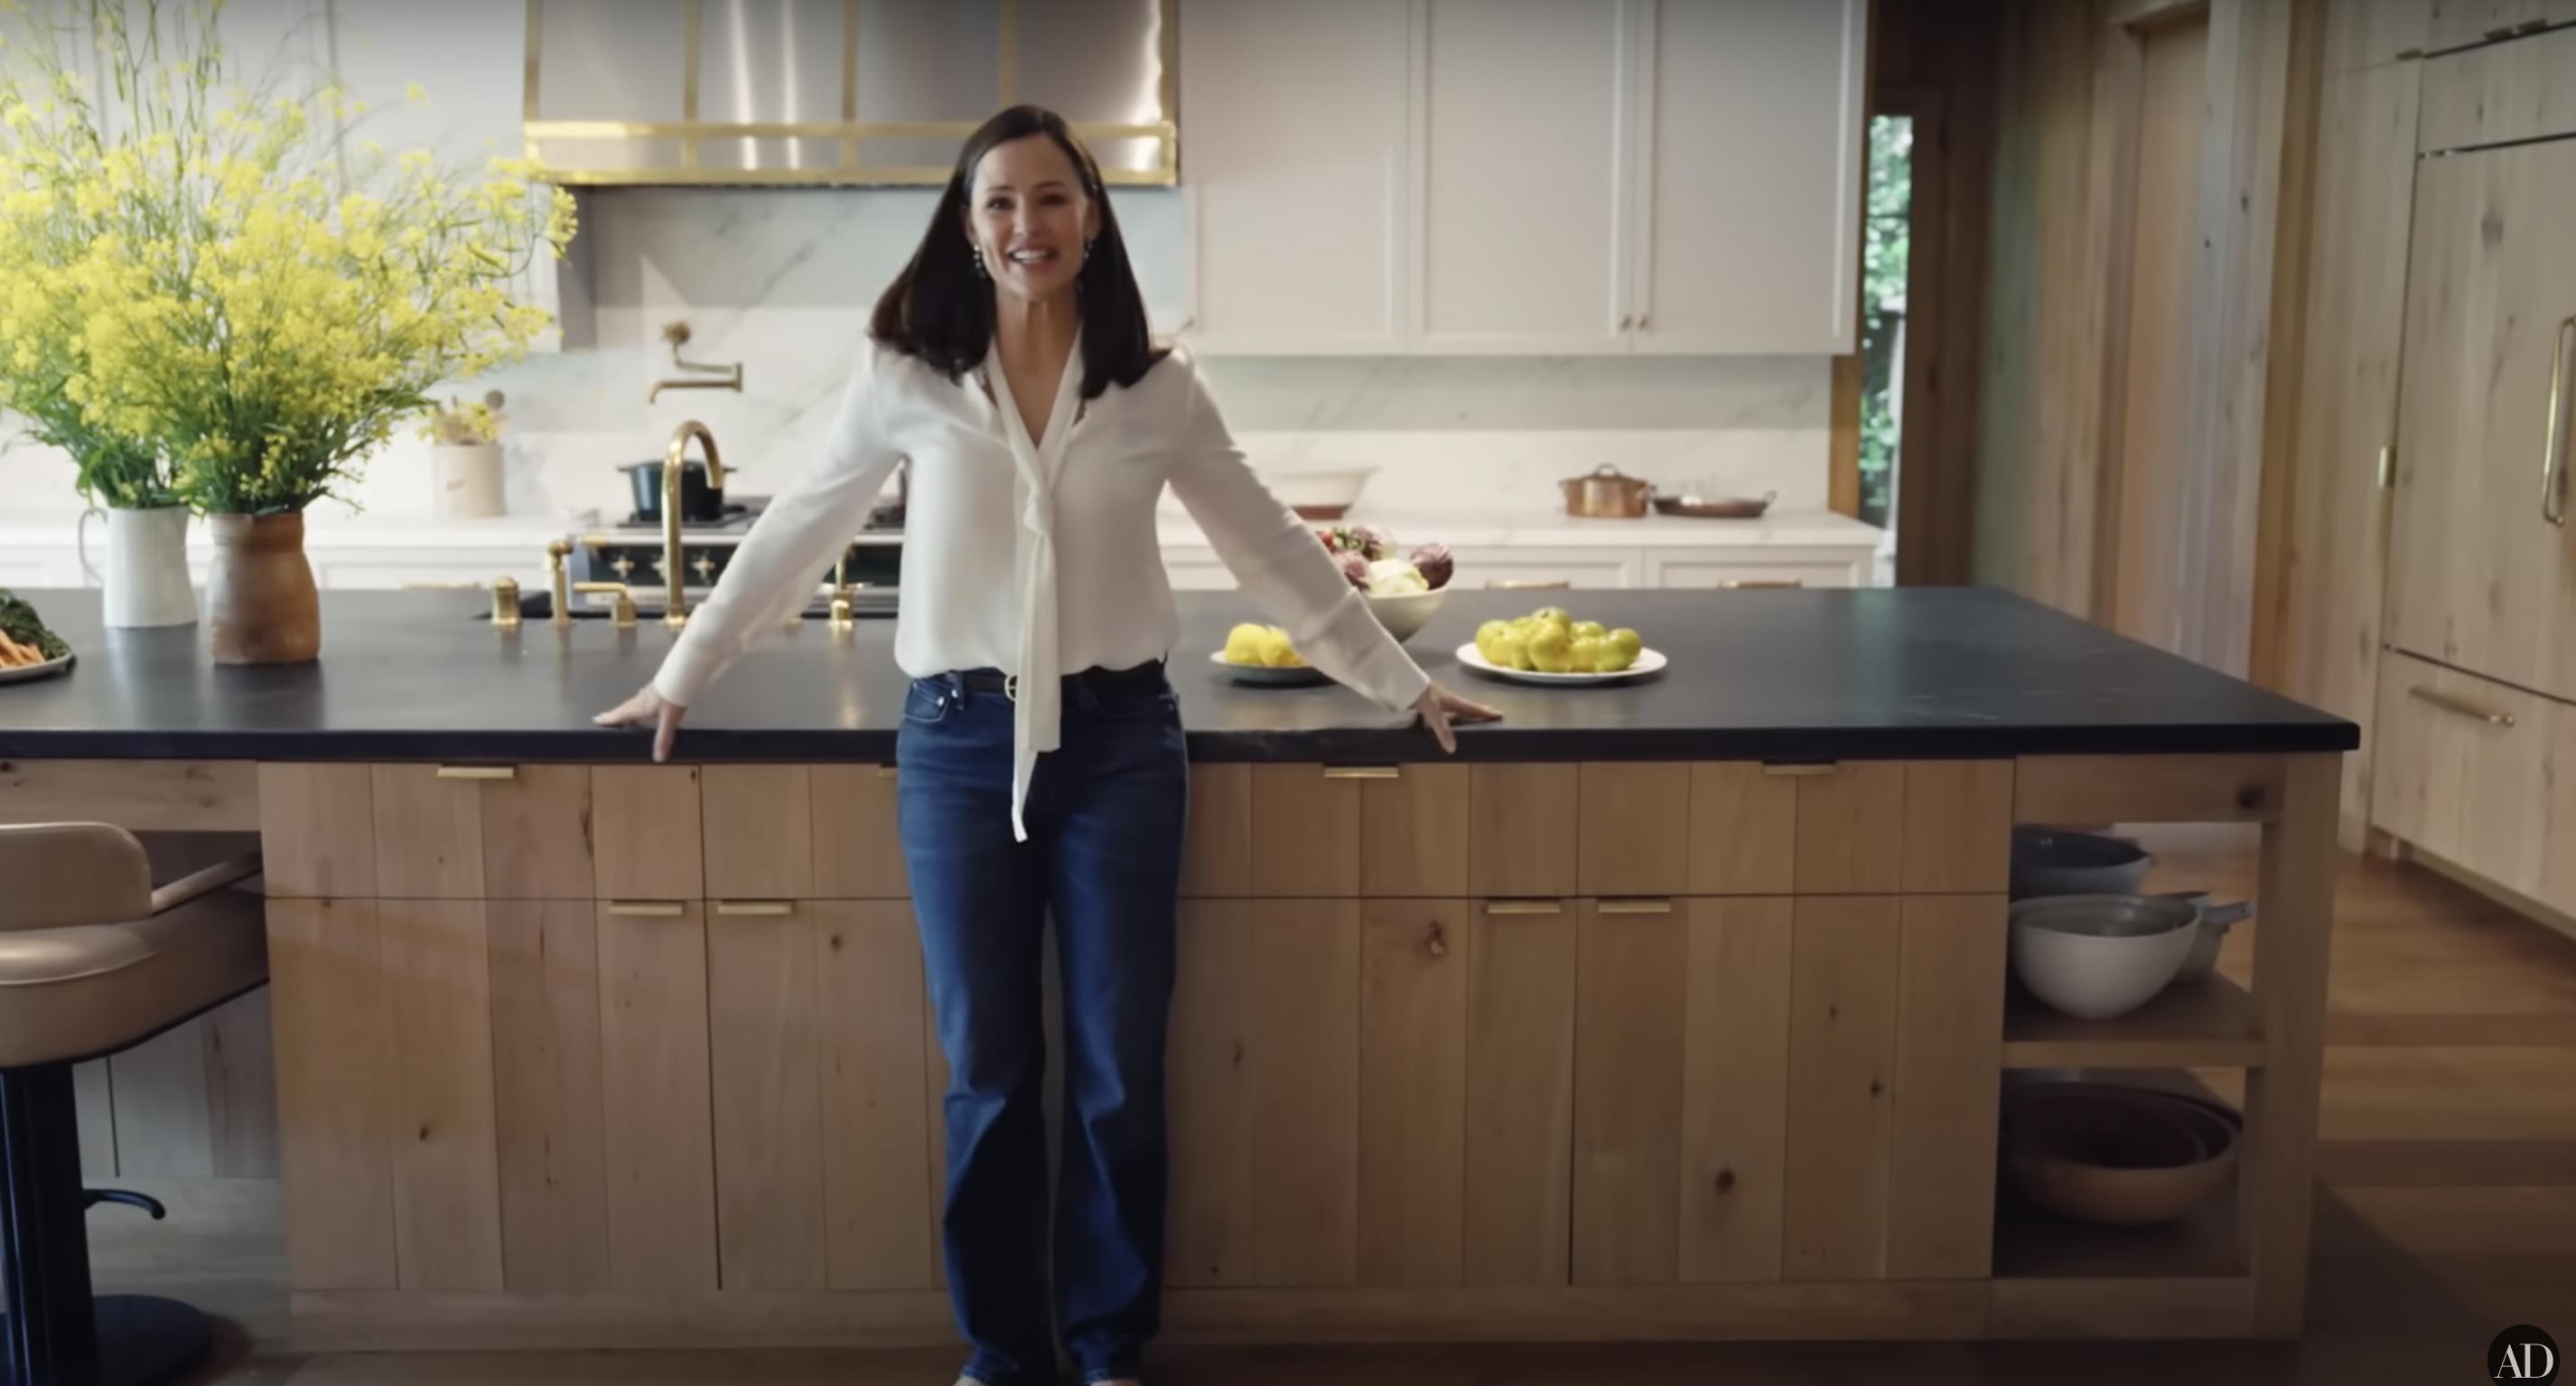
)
(837, 92)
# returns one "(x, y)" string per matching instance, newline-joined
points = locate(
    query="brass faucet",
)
(727, 377)
(675, 612)
(556, 553)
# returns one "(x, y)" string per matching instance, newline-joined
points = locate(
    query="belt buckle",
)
(1011, 687)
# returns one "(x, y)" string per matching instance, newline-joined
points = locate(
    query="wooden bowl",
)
(2120, 1156)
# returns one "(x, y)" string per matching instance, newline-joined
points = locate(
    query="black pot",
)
(698, 500)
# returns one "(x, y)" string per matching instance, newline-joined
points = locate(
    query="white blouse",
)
(1084, 585)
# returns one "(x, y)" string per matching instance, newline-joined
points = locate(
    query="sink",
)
(869, 603)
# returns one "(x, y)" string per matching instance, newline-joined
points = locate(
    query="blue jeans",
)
(1105, 815)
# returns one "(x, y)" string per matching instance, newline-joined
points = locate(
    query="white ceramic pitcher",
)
(147, 566)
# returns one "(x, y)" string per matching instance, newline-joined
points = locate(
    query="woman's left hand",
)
(1441, 708)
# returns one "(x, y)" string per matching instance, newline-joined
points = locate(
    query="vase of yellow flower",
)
(465, 459)
(261, 604)
(257, 308)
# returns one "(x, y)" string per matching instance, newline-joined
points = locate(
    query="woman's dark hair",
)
(941, 311)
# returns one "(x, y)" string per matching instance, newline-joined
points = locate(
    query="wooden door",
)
(2484, 566)
(2338, 552)
(2149, 585)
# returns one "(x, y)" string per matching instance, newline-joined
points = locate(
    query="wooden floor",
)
(2448, 1212)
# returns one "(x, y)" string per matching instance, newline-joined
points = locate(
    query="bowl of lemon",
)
(1549, 646)
(1262, 655)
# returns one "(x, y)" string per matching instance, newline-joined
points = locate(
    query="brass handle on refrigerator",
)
(2453, 702)
(2553, 448)
(478, 772)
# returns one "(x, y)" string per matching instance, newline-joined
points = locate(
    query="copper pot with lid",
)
(1607, 493)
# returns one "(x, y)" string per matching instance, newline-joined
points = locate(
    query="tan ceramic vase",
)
(261, 605)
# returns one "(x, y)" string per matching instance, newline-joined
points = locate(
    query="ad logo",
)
(2522, 1353)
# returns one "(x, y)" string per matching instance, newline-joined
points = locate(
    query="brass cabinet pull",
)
(1636, 907)
(1801, 770)
(1363, 772)
(647, 909)
(1734, 583)
(1524, 907)
(2387, 466)
(2453, 702)
(478, 772)
(755, 907)
(885, 772)
(2553, 447)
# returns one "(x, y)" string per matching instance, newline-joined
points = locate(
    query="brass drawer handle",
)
(1363, 772)
(1762, 582)
(647, 909)
(885, 772)
(2453, 702)
(1524, 907)
(1636, 907)
(2553, 447)
(755, 907)
(478, 772)
(1801, 770)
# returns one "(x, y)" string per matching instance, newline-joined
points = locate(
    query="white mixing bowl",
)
(2098, 956)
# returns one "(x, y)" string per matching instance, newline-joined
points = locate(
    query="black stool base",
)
(143, 1340)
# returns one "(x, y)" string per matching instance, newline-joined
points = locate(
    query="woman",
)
(1040, 754)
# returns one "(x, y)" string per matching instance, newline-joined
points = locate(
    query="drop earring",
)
(1086, 249)
(980, 271)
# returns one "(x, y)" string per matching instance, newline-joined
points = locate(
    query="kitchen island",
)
(1668, 1010)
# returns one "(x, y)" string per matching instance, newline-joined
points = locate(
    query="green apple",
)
(1510, 651)
(1552, 613)
(1550, 651)
(1588, 630)
(1587, 655)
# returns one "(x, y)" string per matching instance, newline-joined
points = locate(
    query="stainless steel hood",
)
(803, 92)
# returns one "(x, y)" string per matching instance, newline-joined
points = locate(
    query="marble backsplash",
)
(782, 281)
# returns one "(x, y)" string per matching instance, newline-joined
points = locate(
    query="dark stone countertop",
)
(1768, 674)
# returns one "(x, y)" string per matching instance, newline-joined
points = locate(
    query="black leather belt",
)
(1146, 675)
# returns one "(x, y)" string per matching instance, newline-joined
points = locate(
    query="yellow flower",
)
(416, 95)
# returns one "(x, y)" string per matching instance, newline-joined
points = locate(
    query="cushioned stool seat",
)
(94, 960)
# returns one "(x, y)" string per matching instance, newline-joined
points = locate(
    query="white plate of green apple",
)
(1549, 646)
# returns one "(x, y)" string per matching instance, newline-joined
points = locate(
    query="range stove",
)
(630, 552)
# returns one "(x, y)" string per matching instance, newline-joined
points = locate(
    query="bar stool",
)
(94, 960)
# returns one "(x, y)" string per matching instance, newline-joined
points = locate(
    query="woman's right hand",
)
(647, 706)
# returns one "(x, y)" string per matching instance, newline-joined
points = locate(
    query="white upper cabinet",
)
(1747, 175)
(1293, 169)
(1523, 127)
(1530, 177)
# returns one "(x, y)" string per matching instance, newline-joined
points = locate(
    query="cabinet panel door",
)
(1295, 174)
(2365, 184)
(1743, 829)
(1413, 832)
(335, 1091)
(2464, 773)
(858, 849)
(447, 1183)
(758, 831)
(1524, 827)
(1305, 1002)
(1636, 828)
(2500, 93)
(1524, 130)
(2484, 580)
(1735, 1088)
(545, 1063)
(1628, 1098)
(876, 1142)
(765, 1055)
(1217, 855)
(1958, 826)
(1851, 828)
(536, 834)
(1519, 566)
(1209, 1097)
(2371, 33)
(429, 834)
(1520, 1093)
(646, 832)
(1413, 1091)
(655, 1102)
(1949, 1063)
(1750, 106)
(317, 830)
(1305, 831)
(1842, 1037)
